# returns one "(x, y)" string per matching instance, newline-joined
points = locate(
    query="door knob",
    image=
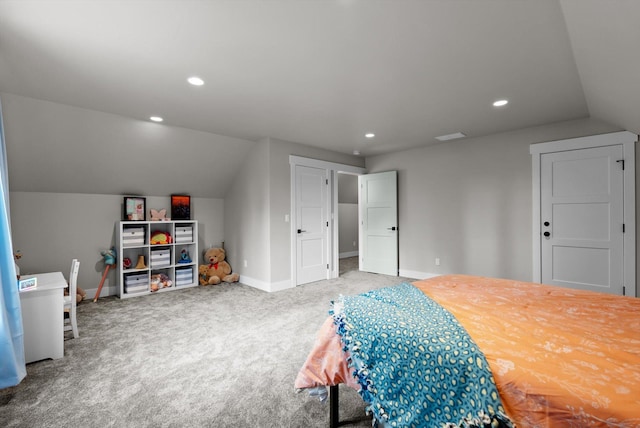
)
(391, 228)
(300, 230)
(546, 223)
(547, 234)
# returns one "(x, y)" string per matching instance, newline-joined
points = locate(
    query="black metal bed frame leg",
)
(334, 418)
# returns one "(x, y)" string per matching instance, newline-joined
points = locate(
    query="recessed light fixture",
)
(195, 81)
(356, 152)
(500, 103)
(156, 119)
(451, 136)
(370, 135)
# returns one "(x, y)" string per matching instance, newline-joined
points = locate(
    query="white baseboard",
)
(266, 286)
(417, 275)
(349, 254)
(107, 290)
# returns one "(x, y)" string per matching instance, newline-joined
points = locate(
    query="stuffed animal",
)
(159, 237)
(158, 215)
(217, 269)
(17, 256)
(160, 280)
(80, 294)
(202, 273)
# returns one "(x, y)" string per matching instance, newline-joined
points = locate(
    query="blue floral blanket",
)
(415, 364)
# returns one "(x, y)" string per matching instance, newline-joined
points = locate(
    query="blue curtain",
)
(12, 365)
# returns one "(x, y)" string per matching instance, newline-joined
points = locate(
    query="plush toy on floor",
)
(217, 269)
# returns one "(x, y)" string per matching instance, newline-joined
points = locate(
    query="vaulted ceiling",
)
(324, 73)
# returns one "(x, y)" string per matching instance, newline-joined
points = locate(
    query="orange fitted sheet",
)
(560, 357)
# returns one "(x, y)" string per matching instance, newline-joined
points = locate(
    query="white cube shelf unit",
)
(160, 255)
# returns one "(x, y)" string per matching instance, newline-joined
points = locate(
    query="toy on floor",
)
(109, 256)
(17, 256)
(217, 269)
(80, 294)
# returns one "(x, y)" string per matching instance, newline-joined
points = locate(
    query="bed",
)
(558, 357)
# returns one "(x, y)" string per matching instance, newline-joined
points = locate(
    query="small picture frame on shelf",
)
(134, 208)
(180, 207)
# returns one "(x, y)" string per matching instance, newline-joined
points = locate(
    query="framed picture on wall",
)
(134, 208)
(180, 207)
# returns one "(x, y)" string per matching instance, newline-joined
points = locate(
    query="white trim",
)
(417, 275)
(265, 286)
(349, 254)
(332, 208)
(627, 140)
(107, 290)
(332, 166)
(613, 139)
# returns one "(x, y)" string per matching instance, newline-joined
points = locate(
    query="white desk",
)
(43, 317)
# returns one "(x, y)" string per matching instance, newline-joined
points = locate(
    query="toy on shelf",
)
(160, 237)
(160, 280)
(184, 256)
(159, 215)
(109, 257)
(141, 264)
(126, 263)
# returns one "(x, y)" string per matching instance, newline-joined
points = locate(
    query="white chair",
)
(70, 300)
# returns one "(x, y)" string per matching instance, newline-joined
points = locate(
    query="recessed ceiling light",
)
(156, 118)
(370, 135)
(451, 136)
(500, 103)
(356, 152)
(195, 81)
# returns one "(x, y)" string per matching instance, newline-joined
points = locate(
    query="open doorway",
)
(348, 239)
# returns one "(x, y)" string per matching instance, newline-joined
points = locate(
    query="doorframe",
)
(332, 169)
(627, 140)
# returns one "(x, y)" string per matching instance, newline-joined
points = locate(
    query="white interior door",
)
(582, 219)
(311, 224)
(378, 202)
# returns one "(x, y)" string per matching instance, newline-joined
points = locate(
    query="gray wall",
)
(469, 202)
(348, 214)
(246, 216)
(56, 148)
(348, 230)
(51, 229)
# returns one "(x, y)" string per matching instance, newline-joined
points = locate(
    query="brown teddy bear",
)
(80, 294)
(217, 269)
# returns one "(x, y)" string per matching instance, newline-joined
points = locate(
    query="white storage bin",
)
(184, 276)
(183, 234)
(135, 288)
(136, 283)
(133, 236)
(160, 258)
